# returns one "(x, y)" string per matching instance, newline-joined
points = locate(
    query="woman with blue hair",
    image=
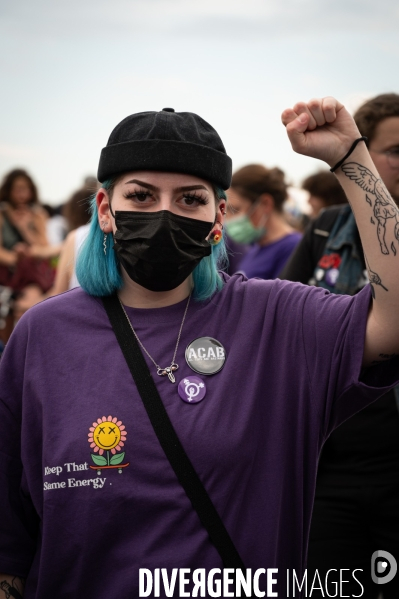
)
(164, 421)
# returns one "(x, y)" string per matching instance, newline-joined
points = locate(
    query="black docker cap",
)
(179, 142)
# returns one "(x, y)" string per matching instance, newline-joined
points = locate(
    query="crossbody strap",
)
(170, 442)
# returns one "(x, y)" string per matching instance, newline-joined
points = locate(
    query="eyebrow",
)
(154, 188)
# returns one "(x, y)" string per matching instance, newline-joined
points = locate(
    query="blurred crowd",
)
(269, 233)
(38, 242)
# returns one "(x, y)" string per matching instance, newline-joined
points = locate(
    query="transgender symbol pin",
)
(192, 389)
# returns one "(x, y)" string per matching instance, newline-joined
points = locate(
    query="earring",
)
(102, 225)
(216, 235)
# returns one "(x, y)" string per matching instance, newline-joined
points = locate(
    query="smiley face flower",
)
(107, 434)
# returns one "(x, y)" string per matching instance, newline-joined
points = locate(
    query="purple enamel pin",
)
(192, 389)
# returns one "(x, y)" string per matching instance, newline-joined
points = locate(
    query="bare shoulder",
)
(39, 211)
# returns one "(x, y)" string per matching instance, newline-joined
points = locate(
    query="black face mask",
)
(159, 250)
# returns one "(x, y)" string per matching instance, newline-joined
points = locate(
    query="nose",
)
(165, 202)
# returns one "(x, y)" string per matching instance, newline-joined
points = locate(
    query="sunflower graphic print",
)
(107, 437)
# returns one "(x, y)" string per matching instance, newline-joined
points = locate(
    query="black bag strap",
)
(170, 442)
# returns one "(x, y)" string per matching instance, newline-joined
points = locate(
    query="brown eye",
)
(139, 196)
(194, 200)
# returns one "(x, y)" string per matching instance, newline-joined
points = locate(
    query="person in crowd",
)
(56, 226)
(256, 198)
(65, 277)
(235, 251)
(72, 214)
(90, 182)
(76, 214)
(76, 209)
(247, 377)
(25, 253)
(296, 208)
(324, 191)
(357, 496)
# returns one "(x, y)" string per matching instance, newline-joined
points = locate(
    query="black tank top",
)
(10, 236)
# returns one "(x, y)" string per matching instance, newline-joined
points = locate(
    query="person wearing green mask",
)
(256, 199)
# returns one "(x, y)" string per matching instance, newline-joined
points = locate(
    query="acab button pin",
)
(205, 355)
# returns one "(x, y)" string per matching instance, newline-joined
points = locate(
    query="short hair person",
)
(256, 200)
(90, 497)
(324, 191)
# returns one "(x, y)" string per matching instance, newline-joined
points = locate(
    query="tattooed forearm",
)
(370, 200)
(384, 207)
(11, 586)
(384, 358)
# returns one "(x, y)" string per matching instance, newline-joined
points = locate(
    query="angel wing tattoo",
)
(384, 207)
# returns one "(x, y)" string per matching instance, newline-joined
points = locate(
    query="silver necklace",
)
(169, 370)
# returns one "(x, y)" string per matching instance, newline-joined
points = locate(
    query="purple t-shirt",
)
(294, 358)
(267, 261)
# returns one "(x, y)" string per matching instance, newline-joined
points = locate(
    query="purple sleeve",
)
(334, 328)
(18, 521)
(285, 253)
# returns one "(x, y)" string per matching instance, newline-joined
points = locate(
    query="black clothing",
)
(300, 267)
(348, 525)
(356, 510)
(10, 235)
(166, 141)
(368, 443)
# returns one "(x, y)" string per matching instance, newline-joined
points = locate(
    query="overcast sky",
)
(71, 70)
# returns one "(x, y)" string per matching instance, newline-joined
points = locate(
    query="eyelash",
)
(189, 196)
(193, 196)
(136, 194)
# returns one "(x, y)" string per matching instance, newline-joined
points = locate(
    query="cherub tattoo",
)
(384, 207)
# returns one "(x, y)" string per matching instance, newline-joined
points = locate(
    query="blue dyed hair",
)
(100, 274)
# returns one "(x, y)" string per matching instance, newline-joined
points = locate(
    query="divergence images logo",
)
(383, 567)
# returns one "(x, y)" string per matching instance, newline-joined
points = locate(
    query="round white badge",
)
(205, 355)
